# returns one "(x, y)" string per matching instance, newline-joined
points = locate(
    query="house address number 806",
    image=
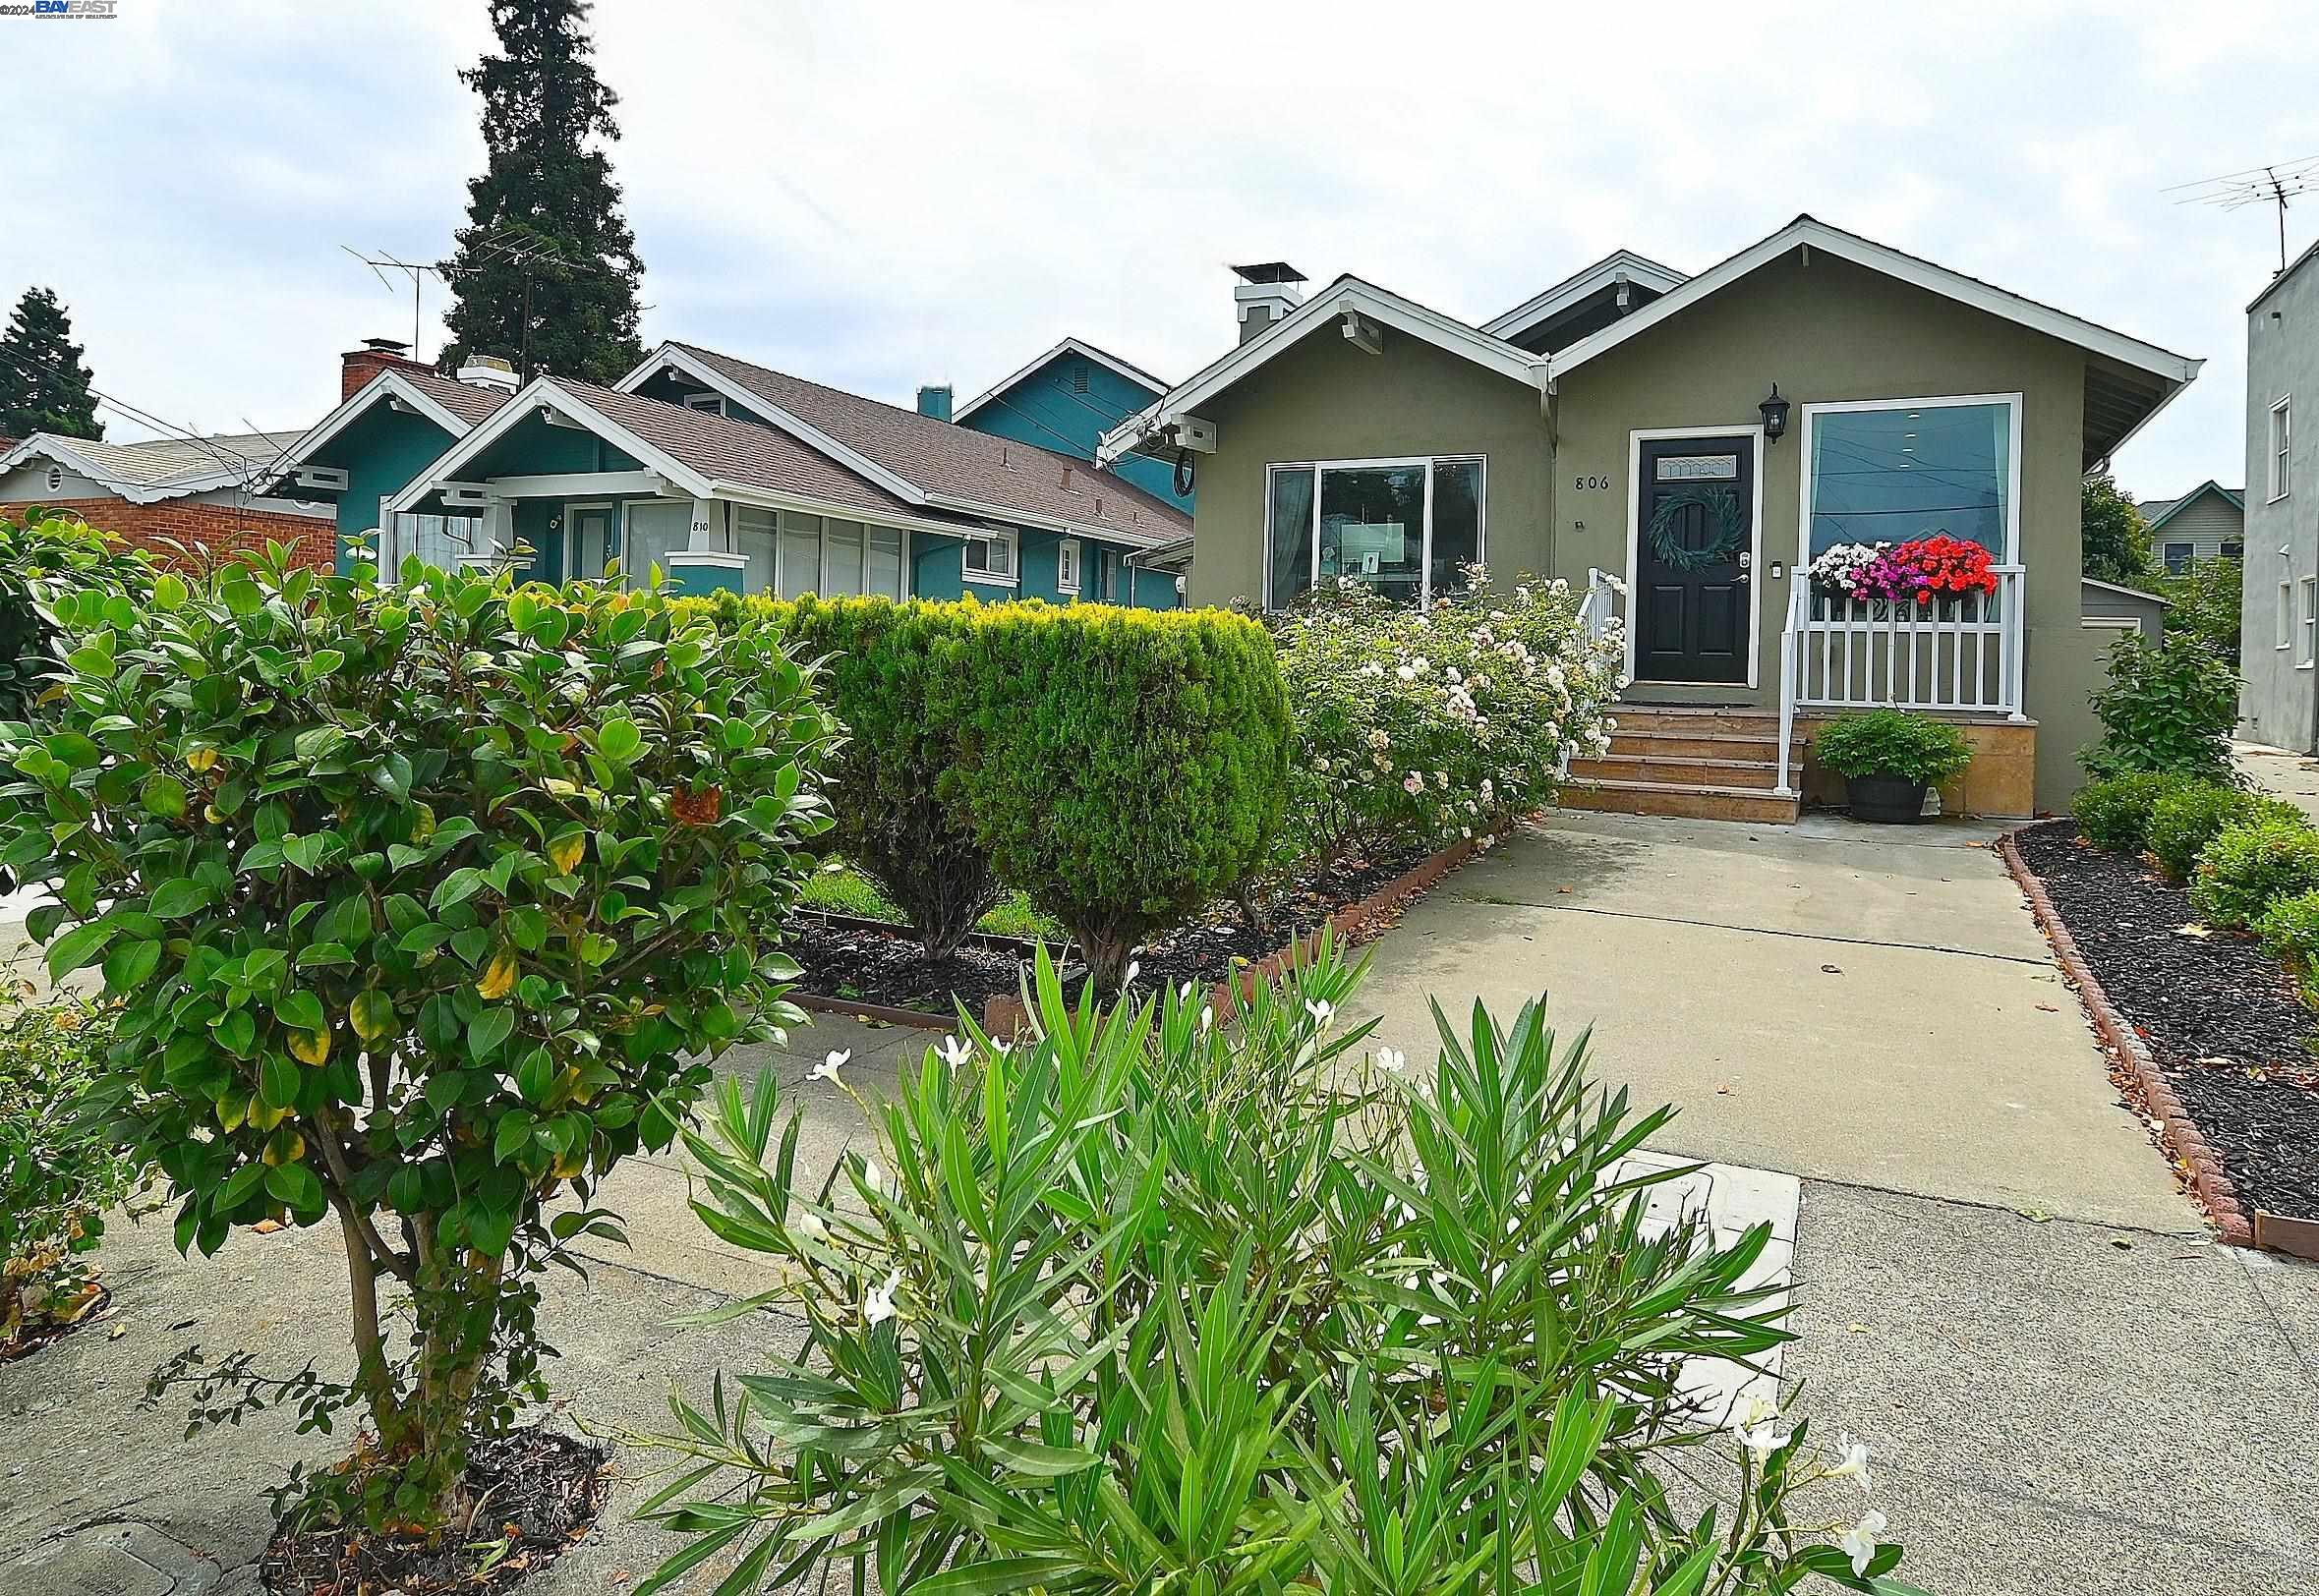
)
(1584, 483)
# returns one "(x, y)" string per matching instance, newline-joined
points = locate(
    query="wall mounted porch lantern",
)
(1775, 411)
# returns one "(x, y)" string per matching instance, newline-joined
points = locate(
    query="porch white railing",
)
(1599, 608)
(1963, 655)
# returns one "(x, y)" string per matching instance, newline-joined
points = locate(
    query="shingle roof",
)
(945, 461)
(741, 452)
(471, 402)
(193, 464)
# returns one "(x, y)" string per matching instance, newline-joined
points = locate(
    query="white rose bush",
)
(1141, 1303)
(1418, 727)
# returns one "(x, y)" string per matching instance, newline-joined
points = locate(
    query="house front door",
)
(1695, 539)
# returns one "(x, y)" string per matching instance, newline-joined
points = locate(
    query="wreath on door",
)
(1726, 527)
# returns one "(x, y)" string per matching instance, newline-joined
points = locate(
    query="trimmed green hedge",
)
(2115, 813)
(1122, 767)
(2248, 868)
(2183, 822)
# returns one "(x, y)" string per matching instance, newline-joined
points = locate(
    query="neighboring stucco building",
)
(2280, 620)
(1680, 447)
(2205, 523)
(196, 498)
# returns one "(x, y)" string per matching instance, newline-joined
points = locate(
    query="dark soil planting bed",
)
(856, 961)
(2218, 1014)
(538, 1493)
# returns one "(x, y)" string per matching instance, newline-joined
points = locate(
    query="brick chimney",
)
(357, 366)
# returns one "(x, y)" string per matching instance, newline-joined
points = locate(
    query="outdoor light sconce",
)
(1775, 411)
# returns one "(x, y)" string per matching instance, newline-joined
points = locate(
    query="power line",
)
(245, 470)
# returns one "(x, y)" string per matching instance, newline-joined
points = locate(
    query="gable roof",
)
(1808, 231)
(1348, 295)
(2234, 496)
(929, 464)
(1068, 346)
(158, 469)
(1581, 285)
(451, 405)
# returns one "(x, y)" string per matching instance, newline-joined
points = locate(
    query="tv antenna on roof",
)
(507, 244)
(2256, 186)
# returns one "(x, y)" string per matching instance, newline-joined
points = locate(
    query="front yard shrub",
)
(2166, 707)
(423, 907)
(2113, 813)
(1414, 728)
(2184, 821)
(1145, 1304)
(2290, 930)
(1895, 743)
(1122, 767)
(41, 561)
(58, 1178)
(2247, 868)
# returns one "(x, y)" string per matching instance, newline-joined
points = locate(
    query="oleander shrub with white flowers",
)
(1422, 727)
(1141, 1303)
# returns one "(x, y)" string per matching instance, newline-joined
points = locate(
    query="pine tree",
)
(546, 206)
(43, 386)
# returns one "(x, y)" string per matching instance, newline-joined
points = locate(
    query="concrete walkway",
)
(2282, 773)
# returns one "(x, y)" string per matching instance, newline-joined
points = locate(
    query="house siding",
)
(1827, 331)
(2205, 524)
(2276, 698)
(381, 451)
(1326, 400)
(1045, 409)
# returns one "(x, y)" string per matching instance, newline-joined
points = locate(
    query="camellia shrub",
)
(41, 561)
(58, 1177)
(1124, 768)
(2113, 813)
(2247, 868)
(2166, 707)
(2184, 821)
(423, 907)
(1142, 1303)
(1414, 728)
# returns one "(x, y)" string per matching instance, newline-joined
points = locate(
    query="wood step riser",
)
(1760, 774)
(1652, 718)
(1680, 803)
(1702, 745)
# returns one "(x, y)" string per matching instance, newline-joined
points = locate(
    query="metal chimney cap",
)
(1269, 271)
(386, 346)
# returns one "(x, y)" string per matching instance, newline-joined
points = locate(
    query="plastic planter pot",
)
(1888, 800)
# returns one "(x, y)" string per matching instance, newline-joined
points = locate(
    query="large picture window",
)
(1896, 470)
(792, 553)
(1402, 527)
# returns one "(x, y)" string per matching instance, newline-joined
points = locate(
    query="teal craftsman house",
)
(727, 475)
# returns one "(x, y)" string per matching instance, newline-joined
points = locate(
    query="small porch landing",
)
(1712, 763)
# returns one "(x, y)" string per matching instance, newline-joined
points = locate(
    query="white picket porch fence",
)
(1963, 655)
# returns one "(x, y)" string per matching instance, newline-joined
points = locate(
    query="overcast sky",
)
(879, 194)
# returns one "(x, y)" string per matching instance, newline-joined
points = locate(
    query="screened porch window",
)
(1898, 470)
(1402, 527)
(439, 541)
(792, 553)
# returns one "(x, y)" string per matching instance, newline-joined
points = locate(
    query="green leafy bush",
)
(2185, 821)
(41, 561)
(2166, 707)
(2248, 867)
(2289, 929)
(2208, 600)
(57, 1178)
(1123, 768)
(2113, 813)
(423, 906)
(1142, 1303)
(1895, 743)
(1414, 728)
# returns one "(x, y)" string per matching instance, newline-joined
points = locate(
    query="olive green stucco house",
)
(1681, 448)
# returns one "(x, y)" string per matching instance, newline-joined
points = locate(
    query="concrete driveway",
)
(1871, 1005)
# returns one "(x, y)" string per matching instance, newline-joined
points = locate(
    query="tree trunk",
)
(373, 1377)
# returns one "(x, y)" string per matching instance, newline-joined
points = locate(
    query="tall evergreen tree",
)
(546, 207)
(43, 386)
(2114, 538)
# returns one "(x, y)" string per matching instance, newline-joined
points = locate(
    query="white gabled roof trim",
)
(1907, 268)
(546, 390)
(57, 448)
(1345, 294)
(2130, 593)
(388, 383)
(1068, 346)
(1593, 279)
(749, 399)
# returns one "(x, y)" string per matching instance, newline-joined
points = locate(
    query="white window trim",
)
(1008, 535)
(713, 403)
(1425, 543)
(1754, 557)
(389, 554)
(2282, 621)
(2280, 439)
(1067, 551)
(571, 534)
(2165, 556)
(2009, 555)
(2307, 621)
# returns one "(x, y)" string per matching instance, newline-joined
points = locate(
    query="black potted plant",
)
(1888, 759)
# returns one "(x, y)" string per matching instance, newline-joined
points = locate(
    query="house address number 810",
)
(1584, 483)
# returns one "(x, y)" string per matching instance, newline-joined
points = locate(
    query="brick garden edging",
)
(1004, 1014)
(2208, 1183)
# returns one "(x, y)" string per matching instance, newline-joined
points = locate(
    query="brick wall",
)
(212, 532)
(357, 366)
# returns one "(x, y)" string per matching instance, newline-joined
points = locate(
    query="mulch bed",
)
(855, 962)
(536, 1490)
(2218, 1015)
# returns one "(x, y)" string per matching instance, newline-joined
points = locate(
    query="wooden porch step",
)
(1649, 742)
(1679, 799)
(1657, 766)
(1730, 719)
